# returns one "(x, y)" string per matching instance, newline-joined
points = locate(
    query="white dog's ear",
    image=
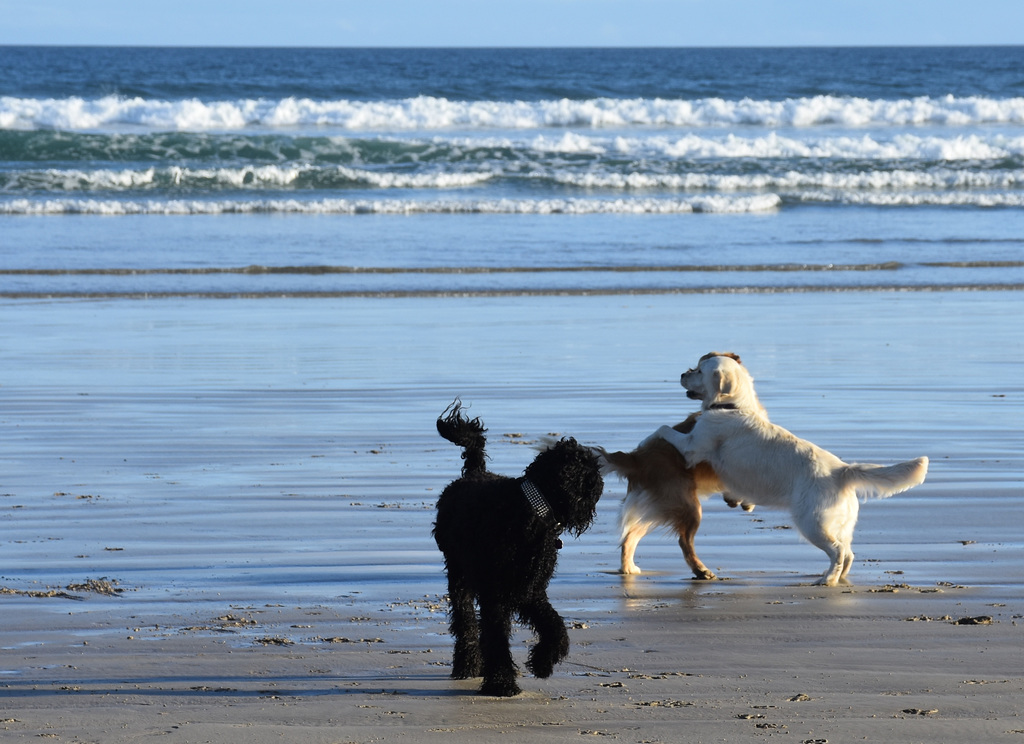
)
(724, 383)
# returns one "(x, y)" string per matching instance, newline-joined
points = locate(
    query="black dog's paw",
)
(543, 657)
(500, 688)
(541, 668)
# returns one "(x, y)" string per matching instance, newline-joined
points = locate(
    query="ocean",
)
(133, 172)
(237, 286)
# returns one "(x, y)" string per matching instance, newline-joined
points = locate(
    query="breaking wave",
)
(716, 204)
(431, 113)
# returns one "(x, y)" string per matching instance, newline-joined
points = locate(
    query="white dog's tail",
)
(881, 482)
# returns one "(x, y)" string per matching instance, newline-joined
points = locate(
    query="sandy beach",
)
(215, 520)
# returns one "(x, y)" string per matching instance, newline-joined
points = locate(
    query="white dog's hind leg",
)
(832, 532)
(847, 563)
(841, 558)
(839, 555)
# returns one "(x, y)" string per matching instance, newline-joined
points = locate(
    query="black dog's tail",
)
(468, 434)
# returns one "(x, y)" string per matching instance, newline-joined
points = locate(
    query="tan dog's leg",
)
(663, 491)
(631, 536)
(686, 521)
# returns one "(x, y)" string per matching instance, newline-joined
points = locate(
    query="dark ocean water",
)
(399, 170)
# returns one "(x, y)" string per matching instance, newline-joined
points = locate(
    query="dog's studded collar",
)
(723, 407)
(538, 502)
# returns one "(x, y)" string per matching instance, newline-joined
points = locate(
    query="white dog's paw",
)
(652, 438)
(665, 431)
(733, 503)
(828, 581)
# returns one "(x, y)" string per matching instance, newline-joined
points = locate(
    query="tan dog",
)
(662, 491)
(762, 463)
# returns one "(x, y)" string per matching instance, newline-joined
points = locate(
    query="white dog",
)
(762, 463)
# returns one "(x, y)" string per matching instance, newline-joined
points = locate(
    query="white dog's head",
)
(721, 381)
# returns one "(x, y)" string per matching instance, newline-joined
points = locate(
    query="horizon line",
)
(91, 45)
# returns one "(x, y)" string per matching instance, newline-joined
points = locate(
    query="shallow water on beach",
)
(812, 249)
(262, 452)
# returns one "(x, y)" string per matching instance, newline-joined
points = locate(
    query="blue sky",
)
(512, 22)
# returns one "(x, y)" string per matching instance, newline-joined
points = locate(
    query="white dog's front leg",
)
(680, 441)
(656, 435)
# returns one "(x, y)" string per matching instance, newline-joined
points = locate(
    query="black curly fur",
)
(499, 554)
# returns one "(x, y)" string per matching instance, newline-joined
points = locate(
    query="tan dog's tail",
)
(881, 482)
(620, 463)
(627, 464)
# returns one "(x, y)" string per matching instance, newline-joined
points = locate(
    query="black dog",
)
(500, 539)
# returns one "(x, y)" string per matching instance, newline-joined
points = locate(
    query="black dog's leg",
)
(553, 639)
(495, 633)
(466, 660)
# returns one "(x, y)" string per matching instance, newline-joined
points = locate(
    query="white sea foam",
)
(428, 113)
(861, 180)
(76, 179)
(388, 180)
(873, 146)
(723, 204)
(569, 142)
(914, 199)
(314, 177)
(55, 179)
(710, 203)
(273, 175)
(899, 147)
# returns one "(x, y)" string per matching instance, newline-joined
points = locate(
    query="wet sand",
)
(215, 516)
